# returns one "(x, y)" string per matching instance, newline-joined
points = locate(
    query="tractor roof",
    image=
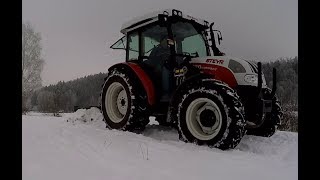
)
(152, 17)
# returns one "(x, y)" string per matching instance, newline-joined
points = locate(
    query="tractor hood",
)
(225, 62)
(244, 71)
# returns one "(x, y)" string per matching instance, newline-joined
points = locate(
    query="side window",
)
(120, 44)
(133, 47)
(151, 38)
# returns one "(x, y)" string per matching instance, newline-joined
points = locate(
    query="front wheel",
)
(209, 113)
(271, 119)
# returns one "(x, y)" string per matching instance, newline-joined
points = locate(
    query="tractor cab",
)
(161, 42)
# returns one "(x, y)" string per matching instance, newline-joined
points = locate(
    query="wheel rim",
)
(203, 118)
(122, 102)
(116, 102)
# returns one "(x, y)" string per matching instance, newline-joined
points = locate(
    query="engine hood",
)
(223, 61)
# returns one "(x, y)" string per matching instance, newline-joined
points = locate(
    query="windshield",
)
(189, 40)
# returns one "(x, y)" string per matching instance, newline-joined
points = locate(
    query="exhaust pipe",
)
(274, 82)
(259, 79)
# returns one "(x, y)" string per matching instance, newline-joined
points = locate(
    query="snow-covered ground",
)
(77, 146)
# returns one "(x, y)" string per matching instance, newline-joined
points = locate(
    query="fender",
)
(142, 76)
(218, 72)
(194, 79)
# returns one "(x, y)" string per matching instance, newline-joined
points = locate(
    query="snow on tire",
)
(209, 113)
(124, 101)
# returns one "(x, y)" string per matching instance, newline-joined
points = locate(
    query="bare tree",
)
(32, 62)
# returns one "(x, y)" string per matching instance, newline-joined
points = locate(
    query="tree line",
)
(64, 96)
(287, 80)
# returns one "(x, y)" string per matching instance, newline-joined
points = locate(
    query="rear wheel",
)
(209, 113)
(123, 102)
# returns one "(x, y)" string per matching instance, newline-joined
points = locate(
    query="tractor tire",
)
(209, 112)
(272, 119)
(124, 102)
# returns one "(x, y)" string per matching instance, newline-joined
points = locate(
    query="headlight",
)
(252, 78)
(236, 67)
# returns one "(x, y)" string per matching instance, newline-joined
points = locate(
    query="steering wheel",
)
(186, 57)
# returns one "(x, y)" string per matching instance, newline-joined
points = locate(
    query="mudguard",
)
(194, 79)
(146, 82)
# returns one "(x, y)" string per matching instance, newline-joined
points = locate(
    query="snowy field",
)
(77, 146)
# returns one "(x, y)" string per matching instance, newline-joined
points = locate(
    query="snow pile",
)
(85, 116)
(283, 145)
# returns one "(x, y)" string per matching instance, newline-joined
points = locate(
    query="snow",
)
(78, 146)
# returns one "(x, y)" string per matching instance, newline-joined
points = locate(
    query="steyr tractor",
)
(175, 72)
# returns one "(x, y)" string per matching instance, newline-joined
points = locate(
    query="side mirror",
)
(219, 36)
(219, 39)
(163, 19)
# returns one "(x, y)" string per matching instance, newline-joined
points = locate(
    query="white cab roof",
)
(152, 16)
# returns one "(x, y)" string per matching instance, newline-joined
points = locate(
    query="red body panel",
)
(145, 80)
(219, 72)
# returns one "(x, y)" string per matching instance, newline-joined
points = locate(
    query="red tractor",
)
(175, 72)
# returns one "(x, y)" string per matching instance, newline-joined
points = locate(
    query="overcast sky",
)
(76, 34)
